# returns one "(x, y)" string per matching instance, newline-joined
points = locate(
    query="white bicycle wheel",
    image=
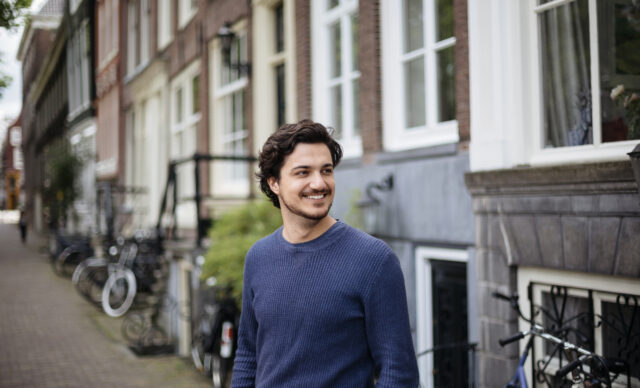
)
(118, 292)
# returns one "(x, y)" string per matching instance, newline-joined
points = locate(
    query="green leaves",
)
(232, 235)
(12, 11)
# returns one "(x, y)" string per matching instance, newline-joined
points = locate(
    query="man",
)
(324, 304)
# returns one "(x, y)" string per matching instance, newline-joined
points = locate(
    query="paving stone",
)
(51, 337)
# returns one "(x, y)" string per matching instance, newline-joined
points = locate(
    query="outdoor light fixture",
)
(370, 202)
(226, 36)
(635, 163)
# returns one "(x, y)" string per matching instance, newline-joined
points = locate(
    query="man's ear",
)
(273, 185)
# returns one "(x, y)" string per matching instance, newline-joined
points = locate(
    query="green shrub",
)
(232, 235)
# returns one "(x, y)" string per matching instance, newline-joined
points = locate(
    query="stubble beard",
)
(302, 213)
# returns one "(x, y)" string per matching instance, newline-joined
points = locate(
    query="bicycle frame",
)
(519, 378)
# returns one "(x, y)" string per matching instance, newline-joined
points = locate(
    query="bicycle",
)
(215, 338)
(91, 274)
(138, 273)
(586, 367)
(72, 255)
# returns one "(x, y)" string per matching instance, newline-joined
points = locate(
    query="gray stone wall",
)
(427, 206)
(578, 218)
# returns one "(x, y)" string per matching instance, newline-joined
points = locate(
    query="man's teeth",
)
(315, 196)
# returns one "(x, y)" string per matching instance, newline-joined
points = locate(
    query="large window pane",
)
(195, 92)
(414, 93)
(564, 37)
(336, 109)
(444, 9)
(413, 25)
(279, 16)
(280, 94)
(617, 334)
(619, 42)
(446, 85)
(335, 51)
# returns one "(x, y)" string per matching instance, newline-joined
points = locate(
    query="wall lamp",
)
(226, 35)
(635, 164)
(370, 202)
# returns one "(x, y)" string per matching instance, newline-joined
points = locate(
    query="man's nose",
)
(318, 182)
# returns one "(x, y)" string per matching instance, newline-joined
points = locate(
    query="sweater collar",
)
(330, 236)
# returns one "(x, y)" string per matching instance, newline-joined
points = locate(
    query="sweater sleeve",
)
(388, 328)
(244, 367)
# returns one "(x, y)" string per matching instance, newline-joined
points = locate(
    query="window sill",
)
(581, 154)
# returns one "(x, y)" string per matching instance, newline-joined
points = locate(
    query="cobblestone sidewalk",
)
(51, 337)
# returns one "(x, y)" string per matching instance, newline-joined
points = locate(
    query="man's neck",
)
(297, 230)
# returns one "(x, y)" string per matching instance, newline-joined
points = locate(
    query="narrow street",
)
(51, 337)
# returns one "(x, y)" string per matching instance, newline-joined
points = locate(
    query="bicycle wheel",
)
(118, 292)
(134, 326)
(221, 370)
(67, 262)
(222, 355)
(198, 351)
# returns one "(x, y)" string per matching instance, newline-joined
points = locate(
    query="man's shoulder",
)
(359, 236)
(265, 243)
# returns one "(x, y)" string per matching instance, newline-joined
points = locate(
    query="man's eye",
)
(328, 171)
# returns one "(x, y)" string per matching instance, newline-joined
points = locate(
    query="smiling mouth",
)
(315, 196)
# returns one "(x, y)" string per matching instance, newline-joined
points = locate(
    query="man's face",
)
(306, 185)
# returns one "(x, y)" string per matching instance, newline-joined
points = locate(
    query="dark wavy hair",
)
(282, 143)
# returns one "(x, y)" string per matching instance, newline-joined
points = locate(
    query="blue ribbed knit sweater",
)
(324, 313)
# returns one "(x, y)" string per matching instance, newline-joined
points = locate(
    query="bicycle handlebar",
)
(513, 338)
(570, 366)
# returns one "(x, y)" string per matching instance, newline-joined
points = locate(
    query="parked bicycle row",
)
(128, 277)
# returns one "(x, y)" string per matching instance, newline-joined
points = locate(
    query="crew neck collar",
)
(328, 237)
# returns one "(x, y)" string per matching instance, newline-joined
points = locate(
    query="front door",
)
(449, 298)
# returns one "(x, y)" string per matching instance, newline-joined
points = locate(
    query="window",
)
(165, 30)
(132, 37)
(418, 73)
(588, 73)
(597, 310)
(336, 78)
(184, 122)
(186, 11)
(78, 70)
(144, 31)
(230, 133)
(278, 65)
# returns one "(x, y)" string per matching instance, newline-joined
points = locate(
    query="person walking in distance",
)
(324, 304)
(22, 223)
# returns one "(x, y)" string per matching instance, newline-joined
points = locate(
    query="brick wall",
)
(370, 78)
(303, 57)
(462, 71)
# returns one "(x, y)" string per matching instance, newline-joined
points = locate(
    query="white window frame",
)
(578, 280)
(396, 136)
(132, 37)
(264, 63)
(221, 183)
(165, 27)
(424, 297)
(186, 12)
(321, 19)
(185, 211)
(597, 151)
(145, 11)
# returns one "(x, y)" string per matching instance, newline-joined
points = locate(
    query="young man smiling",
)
(324, 304)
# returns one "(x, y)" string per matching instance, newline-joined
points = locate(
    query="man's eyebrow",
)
(305, 167)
